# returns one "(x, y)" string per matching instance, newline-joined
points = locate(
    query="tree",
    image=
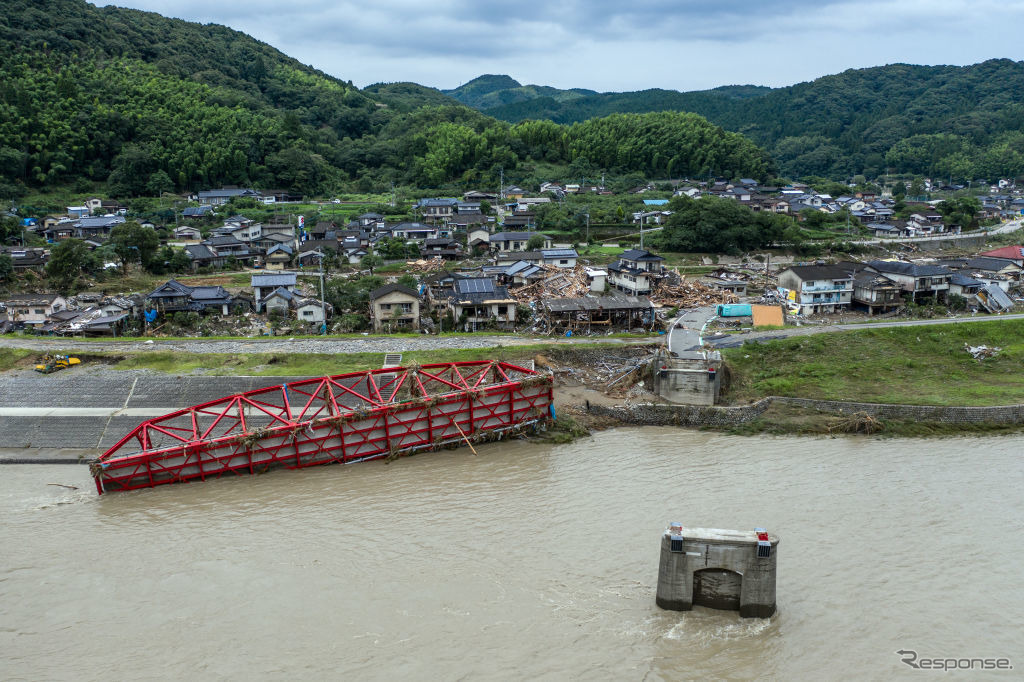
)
(535, 242)
(916, 188)
(6, 266)
(159, 182)
(485, 207)
(370, 261)
(66, 262)
(899, 191)
(961, 211)
(711, 224)
(133, 242)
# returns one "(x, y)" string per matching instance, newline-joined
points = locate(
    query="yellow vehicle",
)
(51, 363)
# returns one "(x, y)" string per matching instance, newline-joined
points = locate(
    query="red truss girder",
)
(342, 418)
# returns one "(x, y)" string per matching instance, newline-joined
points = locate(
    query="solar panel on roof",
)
(475, 286)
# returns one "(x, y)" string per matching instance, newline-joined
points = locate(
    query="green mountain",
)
(944, 121)
(490, 91)
(148, 104)
(408, 96)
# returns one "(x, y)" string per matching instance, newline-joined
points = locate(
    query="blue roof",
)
(655, 202)
(437, 202)
(273, 280)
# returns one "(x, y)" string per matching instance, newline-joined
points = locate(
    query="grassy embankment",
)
(910, 365)
(290, 364)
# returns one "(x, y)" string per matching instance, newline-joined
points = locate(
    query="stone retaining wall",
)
(999, 414)
(695, 415)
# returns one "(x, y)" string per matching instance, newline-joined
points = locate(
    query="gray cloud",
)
(612, 45)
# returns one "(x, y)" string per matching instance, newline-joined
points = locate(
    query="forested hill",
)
(570, 106)
(491, 91)
(943, 121)
(148, 104)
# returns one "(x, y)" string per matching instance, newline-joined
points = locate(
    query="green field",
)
(912, 365)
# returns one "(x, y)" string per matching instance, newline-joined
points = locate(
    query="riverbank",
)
(926, 365)
(779, 416)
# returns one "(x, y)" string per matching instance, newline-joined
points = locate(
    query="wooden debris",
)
(689, 294)
(858, 422)
(421, 265)
(556, 283)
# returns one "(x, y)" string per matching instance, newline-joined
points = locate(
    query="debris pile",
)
(422, 265)
(979, 353)
(617, 376)
(729, 275)
(858, 422)
(555, 283)
(689, 294)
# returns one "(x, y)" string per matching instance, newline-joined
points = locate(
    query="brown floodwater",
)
(529, 561)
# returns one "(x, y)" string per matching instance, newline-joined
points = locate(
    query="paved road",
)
(734, 340)
(93, 410)
(1011, 226)
(685, 334)
(366, 344)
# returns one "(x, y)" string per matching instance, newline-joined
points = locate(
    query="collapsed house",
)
(583, 313)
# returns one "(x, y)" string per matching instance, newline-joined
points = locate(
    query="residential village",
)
(479, 262)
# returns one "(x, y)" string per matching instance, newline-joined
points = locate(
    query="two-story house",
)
(635, 271)
(414, 231)
(264, 284)
(437, 210)
(920, 281)
(173, 296)
(480, 300)
(34, 309)
(394, 306)
(818, 288)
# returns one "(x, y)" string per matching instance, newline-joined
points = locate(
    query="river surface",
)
(528, 561)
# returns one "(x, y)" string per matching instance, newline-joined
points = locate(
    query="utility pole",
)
(501, 186)
(641, 230)
(323, 305)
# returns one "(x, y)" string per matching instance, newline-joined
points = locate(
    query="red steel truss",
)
(344, 418)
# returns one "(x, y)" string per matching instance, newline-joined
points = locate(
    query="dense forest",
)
(148, 104)
(959, 123)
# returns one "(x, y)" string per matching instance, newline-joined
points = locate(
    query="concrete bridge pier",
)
(720, 569)
(688, 378)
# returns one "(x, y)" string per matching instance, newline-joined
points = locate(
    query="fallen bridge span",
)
(359, 416)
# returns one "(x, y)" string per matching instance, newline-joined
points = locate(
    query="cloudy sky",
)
(615, 45)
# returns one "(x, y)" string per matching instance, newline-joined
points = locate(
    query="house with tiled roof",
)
(917, 280)
(475, 301)
(1013, 253)
(34, 309)
(635, 271)
(818, 288)
(394, 306)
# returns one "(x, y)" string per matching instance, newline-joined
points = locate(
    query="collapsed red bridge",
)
(381, 413)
